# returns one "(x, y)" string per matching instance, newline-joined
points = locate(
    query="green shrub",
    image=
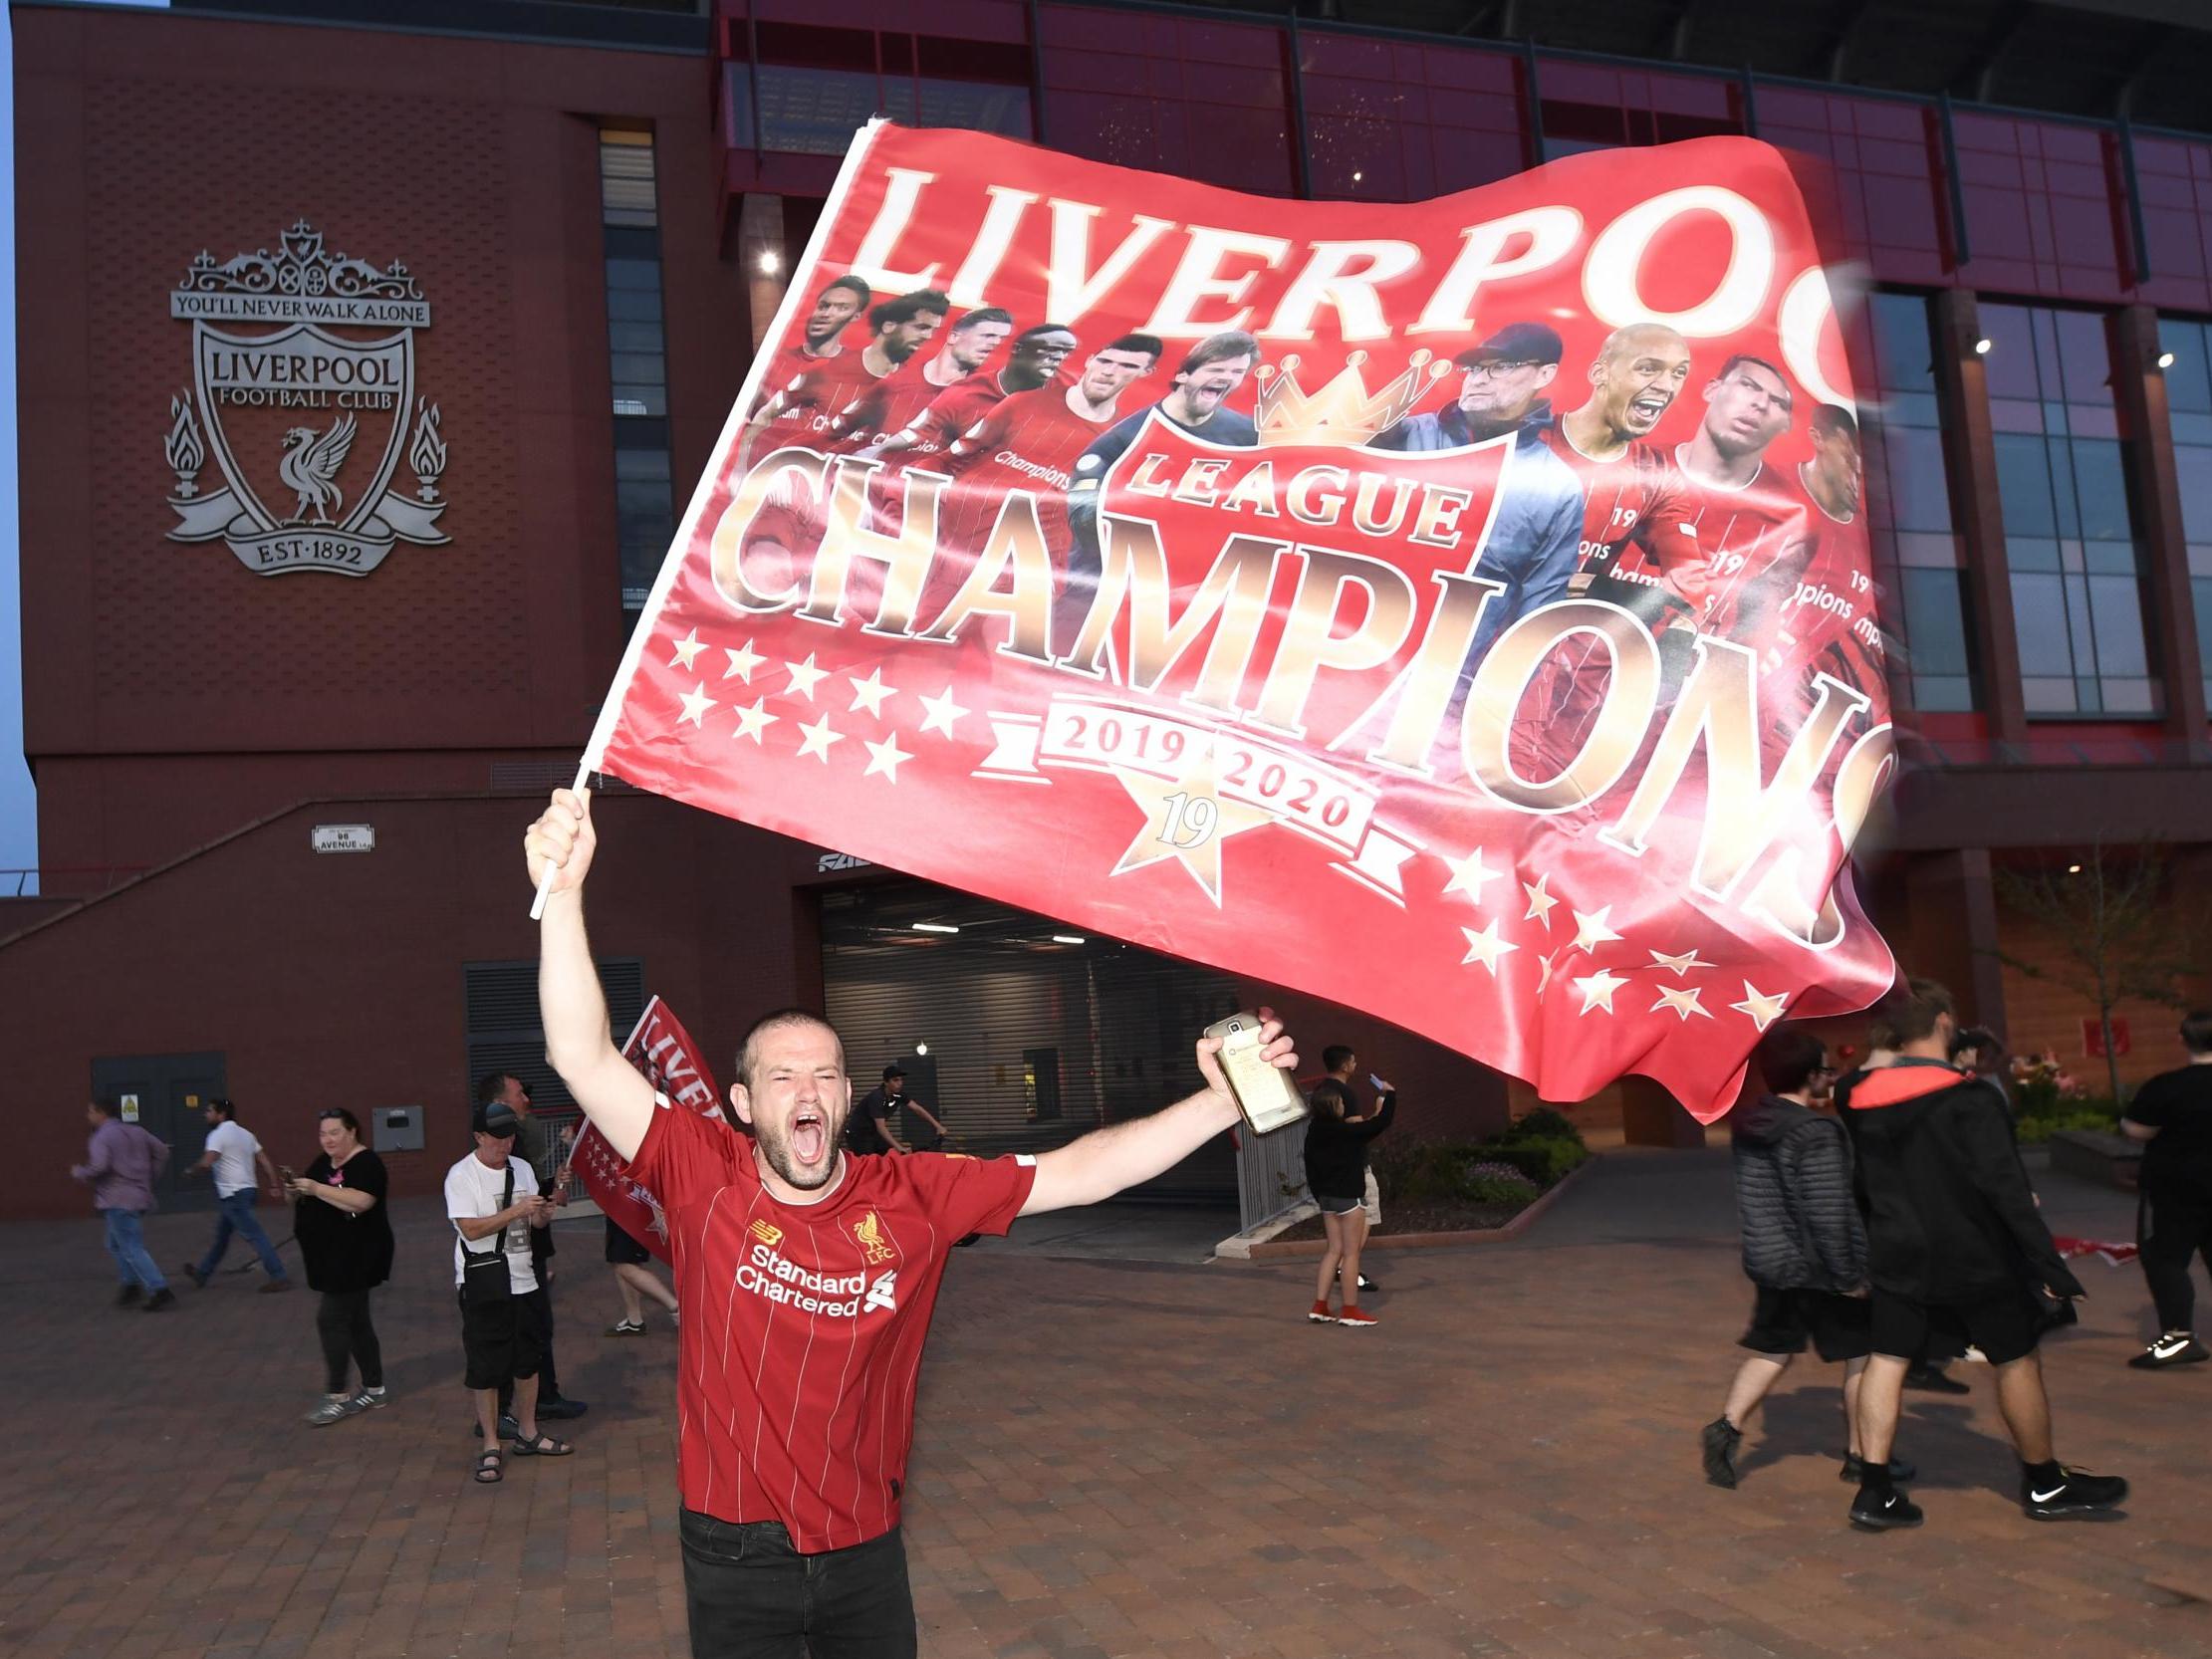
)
(1542, 1125)
(1496, 1189)
(2095, 1114)
(1543, 1161)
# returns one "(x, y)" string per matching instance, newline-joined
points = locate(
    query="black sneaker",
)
(509, 1429)
(1933, 1380)
(1884, 1510)
(1855, 1470)
(191, 1271)
(163, 1298)
(2076, 1492)
(127, 1295)
(1720, 1437)
(2175, 1347)
(561, 1410)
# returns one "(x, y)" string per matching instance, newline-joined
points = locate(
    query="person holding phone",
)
(1340, 1061)
(344, 1236)
(1335, 1174)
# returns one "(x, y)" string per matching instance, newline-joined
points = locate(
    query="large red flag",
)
(1459, 610)
(662, 1049)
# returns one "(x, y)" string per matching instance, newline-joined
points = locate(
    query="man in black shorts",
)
(2172, 1115)
(1804, 1247)
(633, 1278)
(1956, 1247)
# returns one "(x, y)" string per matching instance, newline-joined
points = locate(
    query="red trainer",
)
(1321, 1314)
(1356, 1317)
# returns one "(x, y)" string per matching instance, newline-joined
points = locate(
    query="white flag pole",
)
(602, 730)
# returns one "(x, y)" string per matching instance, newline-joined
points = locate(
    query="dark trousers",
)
(549, 1383)
(2171, 1227)
(751, 1595)
(348, 1336)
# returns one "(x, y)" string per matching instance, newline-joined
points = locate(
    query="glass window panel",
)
(2024, 485)
(634, 337)
(2032, 552)
(2077, 623)
(2189, 376)
(2085, 357)
(816, 111)
(2039, 622)
(979, 106)
(1917, 492)
(2125, 696)
(642, 369)
(641, 464)
(633, 304)
(634, 274)
(2048, 696)
(1935, 622)
(1940, 694)
(2009, 366)
(2117, 612)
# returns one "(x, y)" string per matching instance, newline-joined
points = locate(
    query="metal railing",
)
(64, 880)
(1271, 1172)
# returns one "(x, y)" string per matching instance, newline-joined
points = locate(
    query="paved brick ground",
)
(1115, 1459)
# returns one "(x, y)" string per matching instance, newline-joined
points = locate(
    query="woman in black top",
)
(1337, 1176)
(345, 1234)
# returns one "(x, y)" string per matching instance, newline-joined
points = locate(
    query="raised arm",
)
(579, 1045)
(1105, 1161)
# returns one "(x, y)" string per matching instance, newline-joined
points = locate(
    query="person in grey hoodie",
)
(1804, 1247)
(122, 1163)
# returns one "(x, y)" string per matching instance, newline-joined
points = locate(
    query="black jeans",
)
(2173, 1224)
(343, 1323)
(751, 1595)
(549, 1384)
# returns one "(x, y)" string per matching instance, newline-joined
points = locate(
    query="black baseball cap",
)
(891, 1071)
(1516, 342)
(496, 1119)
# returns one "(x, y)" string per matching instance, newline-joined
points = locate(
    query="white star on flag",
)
(1486, 947)
(1764, 1009)
(1682, 998)
(1469, 874)
(884, 758)
(943, 712)
(743, 661)
(817, 740)
(695, 704)
(872, 691)
(1543, 977)
(1597, 989)
(1592, 930)
(753, 722)
(1539, 901)
(1678, 966)
(686, 648)
(804, 675)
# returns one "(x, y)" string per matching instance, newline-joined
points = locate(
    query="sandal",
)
(545, 1446)
(490, 1467)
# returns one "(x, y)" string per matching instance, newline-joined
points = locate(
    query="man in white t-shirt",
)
(231, 1153)
(492, 1199)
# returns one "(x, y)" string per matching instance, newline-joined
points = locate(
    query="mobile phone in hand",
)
(1374, 1081)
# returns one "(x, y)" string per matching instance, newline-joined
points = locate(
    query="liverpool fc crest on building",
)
(303, 397)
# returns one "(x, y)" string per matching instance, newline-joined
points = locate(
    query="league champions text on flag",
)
(1459, 611)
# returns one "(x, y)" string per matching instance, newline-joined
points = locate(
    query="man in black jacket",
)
(1805, 1249)
(1954, 1244)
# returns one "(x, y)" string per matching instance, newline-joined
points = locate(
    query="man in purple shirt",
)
(122, 1163)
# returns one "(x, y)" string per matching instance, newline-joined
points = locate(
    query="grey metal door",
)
(170, 1094)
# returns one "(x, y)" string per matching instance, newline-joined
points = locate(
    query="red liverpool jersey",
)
(1029, 441)
(1758, 538)
(808, 406)
(789, 365)
(1635, 528)
(950, 414)
(803, 1324)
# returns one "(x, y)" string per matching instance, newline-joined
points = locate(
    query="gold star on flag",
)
(1185, 819)
(686, 648)
(943, 712)
(754, 722)
(743, 661)
(1592, 930)
(884, 758)
(1597, 989)
(695, 704)
(817, 739)
(1486, 947)
(872, 691)
(1683, 1000)
(1677, 965)
(1469, 874)
(804, 675)
(1763, 1009)
(1539, 901)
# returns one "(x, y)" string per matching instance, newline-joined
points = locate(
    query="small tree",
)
(2119, 936)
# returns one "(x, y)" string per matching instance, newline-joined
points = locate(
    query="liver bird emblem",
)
(311, 465)
(873, 1246)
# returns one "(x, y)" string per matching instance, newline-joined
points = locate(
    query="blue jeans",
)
(126, 1243)
(748, 1592)
(235, 1215)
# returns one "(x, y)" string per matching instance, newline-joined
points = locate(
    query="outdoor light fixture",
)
(2165, 360)
(770, 263)
(2073, 869)
(1981, 346)
(1068, 939)
(921, 1047)
(1356, 177)
(935, 927)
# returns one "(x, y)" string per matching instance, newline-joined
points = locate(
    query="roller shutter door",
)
(1030, 1041)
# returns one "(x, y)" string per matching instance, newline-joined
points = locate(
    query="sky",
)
(19, 842)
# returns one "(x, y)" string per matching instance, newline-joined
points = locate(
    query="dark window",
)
(1919, 572)
(2189, 404)
(644, 499)
(817, 86)
(2070, 526)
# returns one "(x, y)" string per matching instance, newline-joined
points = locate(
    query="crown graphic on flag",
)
(1343, 411)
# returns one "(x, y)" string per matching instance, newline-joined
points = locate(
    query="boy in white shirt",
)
(231, 1153)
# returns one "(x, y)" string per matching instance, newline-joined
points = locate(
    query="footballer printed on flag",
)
(1482, 581)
